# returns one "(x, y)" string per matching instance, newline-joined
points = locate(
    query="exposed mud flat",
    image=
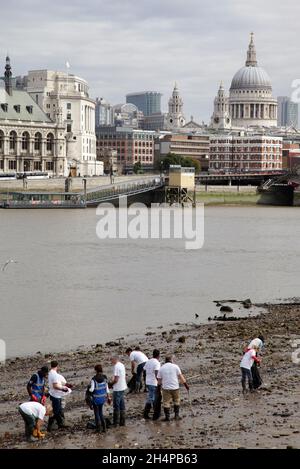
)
(223, 418)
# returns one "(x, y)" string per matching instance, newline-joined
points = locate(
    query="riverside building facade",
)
(132, 145)
(53, 90)
(245, 153)
(30, 141)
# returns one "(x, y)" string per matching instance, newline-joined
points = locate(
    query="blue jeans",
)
(151, 394)
(139, 372)
(98, 411)
(118, 401)
(246, 374)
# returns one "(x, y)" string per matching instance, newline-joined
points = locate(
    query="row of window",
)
(16, 107)
(37, 165)
(243, 142)
(25, 141)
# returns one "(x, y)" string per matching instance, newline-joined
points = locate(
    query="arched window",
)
(50, 143)
(38, 141)
(25, 141)
(1, 141)
(13, 140)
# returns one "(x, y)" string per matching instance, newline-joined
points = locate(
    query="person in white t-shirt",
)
(151, 369)
(169, 377)
(260, 343)
(138, 359)
(119, 386)
(33, 414)
(247, 361)
(56, 390)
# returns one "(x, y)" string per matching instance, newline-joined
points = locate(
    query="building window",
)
(50, 143)
(29, 109)
(12, 140)
(69, 105)
(49, 166)
(37, 166)
(17, 108)
(38, 141)
(69, 127)
(1, 140)
(12, 164)
(4, 107)
(25, 141)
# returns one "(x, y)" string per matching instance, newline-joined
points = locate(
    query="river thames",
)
(70, 288)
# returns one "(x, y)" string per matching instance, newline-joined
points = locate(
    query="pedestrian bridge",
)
(134, 190)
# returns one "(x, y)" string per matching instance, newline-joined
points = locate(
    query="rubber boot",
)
(122, 418)
(98, 428)
(103, 425)
(176, 410)
(167, 415)
(51, 421)
(116, 418)
(147, 411)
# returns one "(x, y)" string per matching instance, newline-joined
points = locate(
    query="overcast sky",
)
(122, 46)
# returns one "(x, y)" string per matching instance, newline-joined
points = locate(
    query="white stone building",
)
(175, 118)
(221, 118)
(61, 93)
(29, 140)
(250, 100)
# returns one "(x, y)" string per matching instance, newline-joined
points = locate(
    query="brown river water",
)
(70, 288)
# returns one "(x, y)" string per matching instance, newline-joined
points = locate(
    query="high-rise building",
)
(104, 114)
(287, 112)
(149, 102)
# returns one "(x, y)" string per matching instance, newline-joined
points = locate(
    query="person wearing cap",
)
(36, 385)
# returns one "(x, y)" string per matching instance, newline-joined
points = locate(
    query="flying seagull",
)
(10, 261)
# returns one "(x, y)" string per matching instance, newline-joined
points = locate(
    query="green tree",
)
(174, 159)
(137, 167)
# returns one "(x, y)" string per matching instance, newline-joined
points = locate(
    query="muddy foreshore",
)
(223, 418)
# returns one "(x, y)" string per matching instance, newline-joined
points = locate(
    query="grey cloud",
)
(121, 46)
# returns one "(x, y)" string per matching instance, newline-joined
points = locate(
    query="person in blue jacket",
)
(100, 395)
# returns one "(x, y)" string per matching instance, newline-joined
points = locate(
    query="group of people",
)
(162, 384)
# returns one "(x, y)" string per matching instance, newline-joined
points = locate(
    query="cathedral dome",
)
(251, 77)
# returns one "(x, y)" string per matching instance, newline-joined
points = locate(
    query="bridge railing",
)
(123, 189)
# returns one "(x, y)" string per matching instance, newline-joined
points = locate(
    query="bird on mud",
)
(10, 261)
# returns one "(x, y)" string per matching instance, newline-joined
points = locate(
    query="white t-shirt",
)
(150, 368)
(55, 377)
(35, 409)
(256, 342)
(119, 370)
(138, 357)
(248, 359)
(169, 374)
